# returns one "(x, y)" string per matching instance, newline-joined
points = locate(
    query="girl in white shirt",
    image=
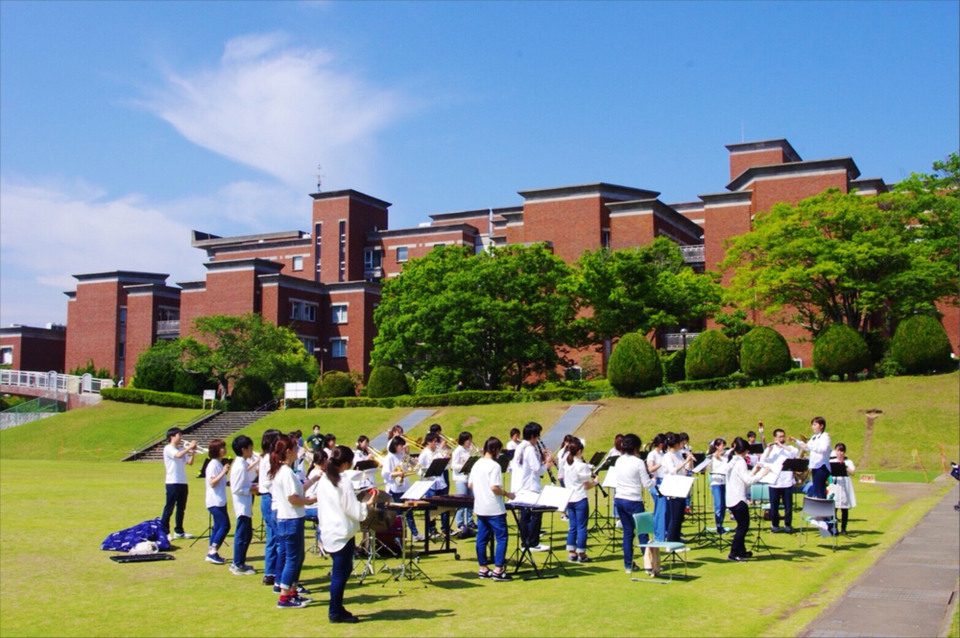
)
(242, 472)
(396, 481)
(216, 496)
(463, 520)
(340, 516)
(486, 481)
(264, 484)
(673, 463)
(290, 502)
(739, 479)
(562, 456)
(718, 481)
(632, 479)
(843, 494)
(661, 514)
(578, 475)
(615, 451)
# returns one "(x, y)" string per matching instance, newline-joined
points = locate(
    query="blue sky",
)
(125, 125)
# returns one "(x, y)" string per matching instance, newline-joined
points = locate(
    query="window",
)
(298, 263)
(122, 350)
(6, 355)
(401, 254)
(309, 344)
(605, 238)
(439, 245)
(343, 250)
(338, 348)
(339, 313)
(303, 311)
(317, 229)
(123, 316)
(372, 258)
(797, 363)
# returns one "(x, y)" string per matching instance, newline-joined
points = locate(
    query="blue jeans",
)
(221, 525)
(661, 517)
(719, 504)
(271, 549)
(495, 526)
(819, 477)
(577, 515)
(465, 514)
(241, 539)
(342, 567)
(290, 531)
(626, 510)
(413, 526)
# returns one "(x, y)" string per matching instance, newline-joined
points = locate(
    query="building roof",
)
(467, 229)
(868, 185)
(682, 207)
(206, 240)
(768, 170)
(56, 334)
(289, 281)
(658, 208)
(161, 290)
(131, 276)
(251, 263)
(462, 214)
(735, 197)
(367, 199)
(764, 145)
(186, 286)
(601, 189)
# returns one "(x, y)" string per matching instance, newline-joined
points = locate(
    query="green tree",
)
(840, 350)
(230, 347)
(711, 355)
(488, 317)
(160, 368)
(634, 366)
(638, 290)
(847, 258)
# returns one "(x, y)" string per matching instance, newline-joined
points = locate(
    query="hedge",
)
(334, 384)
(764, 353)
(467, 397)
(149, 397)
(387, 381)
(439, 380)
(840, 350)
(741, 380)
(921, 345)
(710, 356)
(634, 366)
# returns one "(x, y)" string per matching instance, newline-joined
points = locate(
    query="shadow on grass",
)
(406, 614)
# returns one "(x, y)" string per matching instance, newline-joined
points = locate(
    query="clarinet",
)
(543, 456)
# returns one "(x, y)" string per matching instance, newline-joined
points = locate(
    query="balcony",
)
(167, 328)
(675, 340)
(693, 254)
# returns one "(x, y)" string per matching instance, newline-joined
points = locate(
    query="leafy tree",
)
(387, 381)
(638, 290)
(439, 380)
(160, 368)
(91, 369)
(764, 353)
(734, 325)
(488, 317)
(634, 366)
(921, 345)
(847, 258)
(249, 393)
(230, 347)
(335, 384)
(840, 350)
(710, 356)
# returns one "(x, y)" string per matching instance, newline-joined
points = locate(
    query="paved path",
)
(567, 424)
(909, 591)
(408, 422)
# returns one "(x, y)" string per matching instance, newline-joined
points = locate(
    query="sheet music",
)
(610, 480)
(525, 497)
(555, 496)
(703, 465)
(676, 486)
(418, 490)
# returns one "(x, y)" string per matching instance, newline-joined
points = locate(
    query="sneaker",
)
(302, 590)
(183, 535)
(748, 554)
(619, 524)
(484, 574)
(776, 530)
(540, 548)
(563, 517)
(583, 559)
(573, 559)
(352, 620)
(789, 530)
(303, 599)
(628, 570)
(290, 603)
(736, 559)
(215, 559)
(242, 570)
(419, 538)
(269, 580)
(276, 589)
(501, 576)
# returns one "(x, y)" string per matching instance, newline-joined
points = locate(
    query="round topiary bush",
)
(249, 393)
(335, 384)
(764, 353)
(921, 345)
(634, 366)
(386, 381)
(711, 355)
(439, 380)
(840, 350)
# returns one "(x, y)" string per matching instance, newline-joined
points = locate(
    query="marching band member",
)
(340, 516)
(843, 494)
(329, 442)
(632, 478)
(287, 492)
(661, 514)
(486, 481)
(362, 453)
(530, 464)
(673, 463)
(431, 451)
(615, 451)
(718, 481)
(739, 478)
(781, 490)
(578, 475)
(819, 448)
(216, 499)
(264, 485)
(463, 520)
(562, 456)
(310, 489)
(241, 487)
(514, 439)
(175, 462)
(395, 480)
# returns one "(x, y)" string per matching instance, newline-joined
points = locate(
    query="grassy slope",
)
(51, 540)
(106, 431)
(345, 423)
(484, 421)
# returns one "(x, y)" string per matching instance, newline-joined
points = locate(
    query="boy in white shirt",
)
(781, 489)
(463, 520)
(486, 481)
(431, 451)
(175, 460)
(241, 487)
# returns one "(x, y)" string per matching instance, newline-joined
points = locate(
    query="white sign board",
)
(295, 390)
(209, 395)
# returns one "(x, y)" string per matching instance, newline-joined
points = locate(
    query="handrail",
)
(268, 406)
(156, 438)
(53, 381)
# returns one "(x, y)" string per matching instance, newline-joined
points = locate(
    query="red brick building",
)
(35, 349)
(324, 282)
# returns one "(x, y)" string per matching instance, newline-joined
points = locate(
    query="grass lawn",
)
(484, 421)
(346, 423)
(106, 431)
(55, 515)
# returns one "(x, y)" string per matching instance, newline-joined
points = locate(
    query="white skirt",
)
(843, 494)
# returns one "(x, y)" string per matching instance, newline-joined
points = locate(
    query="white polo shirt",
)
(527, 468)
(240, 482)
(285, 483)
(176, 468)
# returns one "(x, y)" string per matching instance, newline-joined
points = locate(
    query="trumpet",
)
(417, 442)
(197, 449)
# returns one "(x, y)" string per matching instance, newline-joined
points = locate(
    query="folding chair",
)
(644, 524)
(823, 509)
(760, 497)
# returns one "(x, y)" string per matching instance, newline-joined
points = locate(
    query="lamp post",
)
(683, 335)
(318, 352)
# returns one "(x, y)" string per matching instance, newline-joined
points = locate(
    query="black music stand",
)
(409, 561)
(838, 469)
(601, 522)
(363, 466)
(795, 466)
(551, 558)
(523, 554)
(206, 533)
(468, 466)
(504, 460)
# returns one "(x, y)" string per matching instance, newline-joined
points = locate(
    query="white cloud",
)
(282, 110)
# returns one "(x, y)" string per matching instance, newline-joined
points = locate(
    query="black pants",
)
(675, 509)
(819, 478)
(530, 523)
(844, 514)
(741, 513)
(176, 495)
(784, 495)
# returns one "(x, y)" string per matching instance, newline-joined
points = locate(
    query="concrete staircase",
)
(220, 425)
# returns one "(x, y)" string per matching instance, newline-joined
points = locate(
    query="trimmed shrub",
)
(249, 393)
(840, 350)
(634, 366)
(921, 345)
(764, 353)
(467, 397)
(673, 366)
(801, 375)
(386, 381)
(149, 397)
(735, 380)
(439, 380)
(710, 356)
(334, 384)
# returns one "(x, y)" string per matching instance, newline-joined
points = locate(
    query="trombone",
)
(377, 455)
(409, 441)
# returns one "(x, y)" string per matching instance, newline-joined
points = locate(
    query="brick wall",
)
(740, 162)
(36, 353)
(627, 231)
(361, 217)
(282, 255)
(142, 314)
(358, 330)
(93, 318)
(768, 192)
(419, 246)
(573, 225)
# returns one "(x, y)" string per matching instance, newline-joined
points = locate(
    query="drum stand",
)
(370, 565)
(409, 566)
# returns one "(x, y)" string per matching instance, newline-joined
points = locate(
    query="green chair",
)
(644, 524)
(760, 497)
